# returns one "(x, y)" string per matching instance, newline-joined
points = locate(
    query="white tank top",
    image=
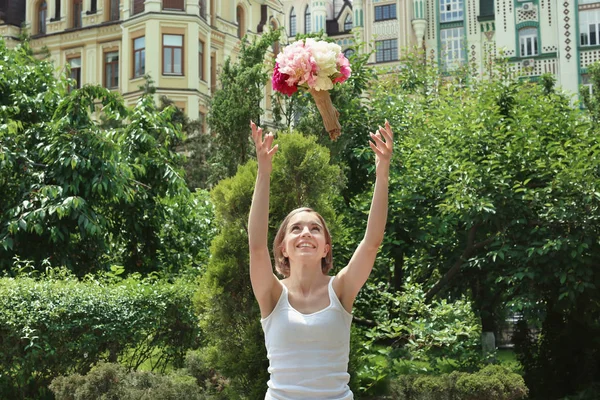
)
(308, 353)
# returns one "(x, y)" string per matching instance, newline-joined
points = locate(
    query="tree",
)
(225, 300)
(494, 193)
(236, 103)
(76, 191)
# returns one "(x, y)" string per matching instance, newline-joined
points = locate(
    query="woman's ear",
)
(327, 247)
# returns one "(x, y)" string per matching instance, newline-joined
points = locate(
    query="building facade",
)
(537, 36)
(180, 44)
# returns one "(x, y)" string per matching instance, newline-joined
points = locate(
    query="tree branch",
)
(455, 269)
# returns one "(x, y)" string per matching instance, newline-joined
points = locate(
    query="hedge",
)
(196, 381)
(57, 326)
(493, 382)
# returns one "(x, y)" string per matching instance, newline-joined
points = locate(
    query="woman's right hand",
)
(264, 151)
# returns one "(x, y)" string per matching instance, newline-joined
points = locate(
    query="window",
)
(293, 22)
(57, 10)
(172, 54)
(528, 42)
(114, 10)
(75, 64)
(348, 52)
(138, 6)
(453, 48)
(348, 22)
(202, 120)
(201, 59)
(589, 27)
(77, 8)
(307, 27)
(587, 83)
(139, 57)
(386, 50)
(385, 12)
(173, 5)
(111, 70)
(202, 7)
(275, 43)
(451, 10)
(241, 23)
(42, 12)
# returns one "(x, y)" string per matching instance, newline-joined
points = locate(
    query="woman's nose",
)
(306, 231)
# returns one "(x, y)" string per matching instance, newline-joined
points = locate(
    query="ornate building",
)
(181, 43)
(178, 43)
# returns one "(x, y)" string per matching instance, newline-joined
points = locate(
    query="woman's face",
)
(304, 240)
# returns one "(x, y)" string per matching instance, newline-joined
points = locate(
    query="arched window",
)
(307, 27)
(274, 27)
(240, 18)
(113, 11)
(528, 42)
(293, 29)
(42, 13)
(202, 6)
(77, 11)
(57, 10)
(348, 22)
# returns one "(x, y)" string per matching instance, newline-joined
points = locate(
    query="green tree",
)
(230, 314)
(236, 103)
(77, 191)
(494, 193)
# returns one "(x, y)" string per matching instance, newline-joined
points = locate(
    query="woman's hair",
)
(282, 264)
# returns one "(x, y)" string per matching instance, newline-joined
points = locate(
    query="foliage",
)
(56, 324)
(592, 102)
(113, 381)
(491, 383)
(230, 315)
(493, 194)
(186, 233)
(78, 191)
(236, 103)
(412, 330)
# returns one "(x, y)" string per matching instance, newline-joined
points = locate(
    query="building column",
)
(568, 62)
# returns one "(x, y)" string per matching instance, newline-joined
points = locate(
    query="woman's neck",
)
(306, 277)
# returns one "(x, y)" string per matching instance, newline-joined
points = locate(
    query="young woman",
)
(306, 316)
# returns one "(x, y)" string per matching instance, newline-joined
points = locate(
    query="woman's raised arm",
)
(261, 271)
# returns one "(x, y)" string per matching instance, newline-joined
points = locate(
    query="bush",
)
(63, 325)
(112, 381)
(491, 383)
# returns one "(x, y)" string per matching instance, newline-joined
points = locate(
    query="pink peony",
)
(345, 70)
(280, 82)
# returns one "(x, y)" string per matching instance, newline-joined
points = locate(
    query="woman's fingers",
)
(268, 140)
(376, 137)
(273, 150)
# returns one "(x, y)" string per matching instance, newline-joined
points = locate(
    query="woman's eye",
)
(316, 228)
(295, 228)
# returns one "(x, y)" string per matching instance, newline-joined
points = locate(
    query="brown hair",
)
(282, 264)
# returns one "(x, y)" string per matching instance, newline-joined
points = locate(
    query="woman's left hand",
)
(382, 145)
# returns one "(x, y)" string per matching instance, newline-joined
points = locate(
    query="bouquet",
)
(314, 66)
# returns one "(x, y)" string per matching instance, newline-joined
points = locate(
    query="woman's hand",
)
(383, 146)
(264, 151)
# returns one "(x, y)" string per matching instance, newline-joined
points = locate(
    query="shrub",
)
(491, 383)
(110, 381)
(55, 326)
